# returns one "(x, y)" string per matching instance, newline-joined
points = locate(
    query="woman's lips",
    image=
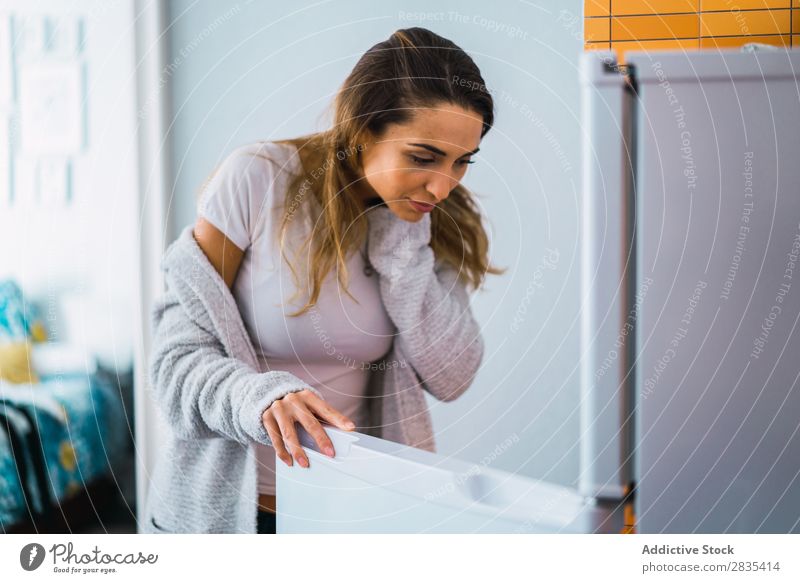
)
(421, 206)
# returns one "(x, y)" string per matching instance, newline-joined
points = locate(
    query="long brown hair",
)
(413, 68)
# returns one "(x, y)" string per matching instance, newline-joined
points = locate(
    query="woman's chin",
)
(403, 210)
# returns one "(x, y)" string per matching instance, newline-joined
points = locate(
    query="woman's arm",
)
(204, 392)
(436, 330)
(221, 252)
(208, 393)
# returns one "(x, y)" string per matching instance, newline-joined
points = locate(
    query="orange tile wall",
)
(625, 25)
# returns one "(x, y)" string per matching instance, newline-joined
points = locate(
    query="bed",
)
(65, 425)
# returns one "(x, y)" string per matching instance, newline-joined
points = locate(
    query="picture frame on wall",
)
(28, 35)
(6, 61)
(54, 181)
(51, 107)
(64, 36)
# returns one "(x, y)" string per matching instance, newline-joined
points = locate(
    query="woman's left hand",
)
(388, 232)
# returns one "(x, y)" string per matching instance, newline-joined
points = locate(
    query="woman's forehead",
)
(452, 130)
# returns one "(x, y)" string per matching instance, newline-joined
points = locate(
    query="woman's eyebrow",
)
(436, 150)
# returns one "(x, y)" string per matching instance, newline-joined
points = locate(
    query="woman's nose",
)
(440, 184)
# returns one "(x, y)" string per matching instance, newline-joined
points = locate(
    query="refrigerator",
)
(690, 352)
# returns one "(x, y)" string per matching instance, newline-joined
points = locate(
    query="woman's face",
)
(422, 160)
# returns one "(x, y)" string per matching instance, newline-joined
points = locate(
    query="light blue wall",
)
(241, 71)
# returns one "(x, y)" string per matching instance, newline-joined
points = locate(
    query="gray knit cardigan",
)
(208, 384)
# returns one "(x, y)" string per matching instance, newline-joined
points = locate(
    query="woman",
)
(377, 199)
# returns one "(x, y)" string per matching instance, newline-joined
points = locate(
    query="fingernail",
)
(349, 424)
(304, 462)
(329, 451)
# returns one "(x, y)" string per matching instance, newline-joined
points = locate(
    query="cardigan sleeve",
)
(203, 392)
(430, 307)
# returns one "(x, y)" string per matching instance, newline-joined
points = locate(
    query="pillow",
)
(15, 362)
(18, 320)
(20, 325)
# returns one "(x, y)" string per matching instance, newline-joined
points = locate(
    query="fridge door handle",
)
(607, 272)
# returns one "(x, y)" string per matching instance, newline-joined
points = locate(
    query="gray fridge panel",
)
(718, 348)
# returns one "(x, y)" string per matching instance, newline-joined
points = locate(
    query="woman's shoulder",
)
(250, 182)
(253, 172)
(262, 158)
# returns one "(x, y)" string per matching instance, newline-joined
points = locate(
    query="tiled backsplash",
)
(625, 25)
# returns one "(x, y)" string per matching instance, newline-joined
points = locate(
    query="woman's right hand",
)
(301, 406)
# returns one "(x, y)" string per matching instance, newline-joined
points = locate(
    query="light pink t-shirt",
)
(329, 346)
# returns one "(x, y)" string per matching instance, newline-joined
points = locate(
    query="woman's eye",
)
(423, 161)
